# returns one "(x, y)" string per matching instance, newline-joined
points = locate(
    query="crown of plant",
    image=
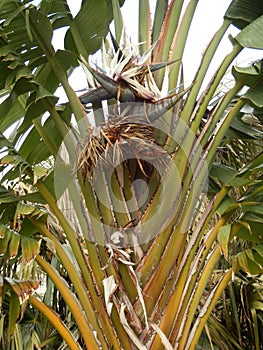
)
(127, 76)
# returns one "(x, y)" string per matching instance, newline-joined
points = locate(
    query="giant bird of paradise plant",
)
(123, 199)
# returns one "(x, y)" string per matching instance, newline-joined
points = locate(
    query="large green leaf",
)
(243, 12)
(11, 240)
(89, 27)
(251, 75)
(242, 128)
(16, 41)
(248, 231)
(26, 50)
(6, 196)
(34, 141)
(14, 311)
(251, 36)
(222, 172)
(57, 11)
(250, 261)
(255, 95)
(46, 77)
(15, 293)
(12, 108)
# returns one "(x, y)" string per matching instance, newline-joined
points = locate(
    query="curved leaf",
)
(14, 311)
(12, 108)
(242, 129)
(251, 36)
(248, 74)
(248, 231)
(223, 238)
(38, 21)
(222, 172)
(243, 12)
(20, 291)
(9, 240)
(16, 40)
(255, 95)
(23, 289)
(6, 196)
(57, 11)
(89, 27)
(249, 262)
(4, 240)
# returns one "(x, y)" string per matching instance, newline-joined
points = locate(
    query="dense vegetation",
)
(130, 216)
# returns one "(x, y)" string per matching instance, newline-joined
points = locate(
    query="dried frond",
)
(119, 140)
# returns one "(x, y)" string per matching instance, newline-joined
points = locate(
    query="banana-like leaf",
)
(24, 60)
(243, 12)
(248, 231)
(14, 244)
(20, 291)
(222, 172)
(223, 238)
(11, 241)
(89, 27)
(249, 261)
(23, 289)
(250, 35)
(12, 108)
(254, 95)
(248, 74)
(242, 129)
(14, 312)
(20, 46)
(6, 196)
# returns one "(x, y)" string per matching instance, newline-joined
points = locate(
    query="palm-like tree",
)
(133, 266)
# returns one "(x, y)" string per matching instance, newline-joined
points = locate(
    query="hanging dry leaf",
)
(109, 288)
(129, 330)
